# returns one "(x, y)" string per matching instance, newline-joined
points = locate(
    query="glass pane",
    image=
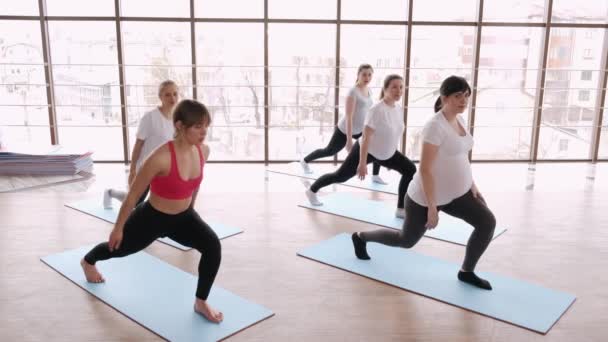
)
(568, 11)
(561, 142)
(229, 8)
(441, 10)
(302, 82)
(23, 98)
(430, 65)
(230, 74)
(573, 66)
(290, 143)
(80, 8)
(155, 8)
(236, 142)
(155, 52)
(21, 7)
(105, 142)
(17, 136)
(365, 10)
(507, 82)
(503, 133)
(514, 10)
(297, 9)
(87, 97)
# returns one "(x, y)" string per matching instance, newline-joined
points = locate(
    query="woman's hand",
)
(432, 218)
(362, 170)
(115, 239)
(477, 194)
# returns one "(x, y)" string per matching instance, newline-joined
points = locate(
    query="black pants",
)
(472, 210)
(336, 143)
(146, 224)
(348, 170)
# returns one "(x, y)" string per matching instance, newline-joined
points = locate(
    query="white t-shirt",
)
(387, 123)
(362, 105)
(451, 169)
(154, 129)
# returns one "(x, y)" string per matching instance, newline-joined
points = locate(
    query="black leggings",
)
(348, 169)
(336, 143)
(146, 224)
(472, 210)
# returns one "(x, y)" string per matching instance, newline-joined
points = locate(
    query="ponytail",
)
(438, 104)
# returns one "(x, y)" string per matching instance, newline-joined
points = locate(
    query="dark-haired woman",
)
(445, 183)
(358, 103)
(174, 172)
(383, 129)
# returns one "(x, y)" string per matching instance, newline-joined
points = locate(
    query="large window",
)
(274, 73)
(153, 53)
(507, 82)
(567, 119)
(23, 102)
(230, 76)
(301, 88)
(437, 52)
(85, 77)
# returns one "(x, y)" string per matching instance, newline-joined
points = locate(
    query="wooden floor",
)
(557, 237)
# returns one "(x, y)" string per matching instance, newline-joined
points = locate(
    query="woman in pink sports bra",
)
(174, 172)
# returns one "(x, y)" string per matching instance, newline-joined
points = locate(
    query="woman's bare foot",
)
(201, 307)
(91, 272)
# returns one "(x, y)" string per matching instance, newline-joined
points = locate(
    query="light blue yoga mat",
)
(449, 229)
(513, 301)
(95, 208)
(294, 169)
(159, 296)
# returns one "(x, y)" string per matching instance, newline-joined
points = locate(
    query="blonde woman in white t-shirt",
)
(382, 131)
(444, 182)
(155, 129)
(358, 103)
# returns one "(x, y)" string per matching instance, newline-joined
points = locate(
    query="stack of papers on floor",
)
(48, 160)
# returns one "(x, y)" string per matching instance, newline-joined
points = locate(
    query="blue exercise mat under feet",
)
(159, 296)
(449, 229)
(513, 301)
(95, 208)
(294, 169)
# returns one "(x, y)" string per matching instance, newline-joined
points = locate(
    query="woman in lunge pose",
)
(358, 103)
(174, 172)
(381, 133)
(445, 183)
